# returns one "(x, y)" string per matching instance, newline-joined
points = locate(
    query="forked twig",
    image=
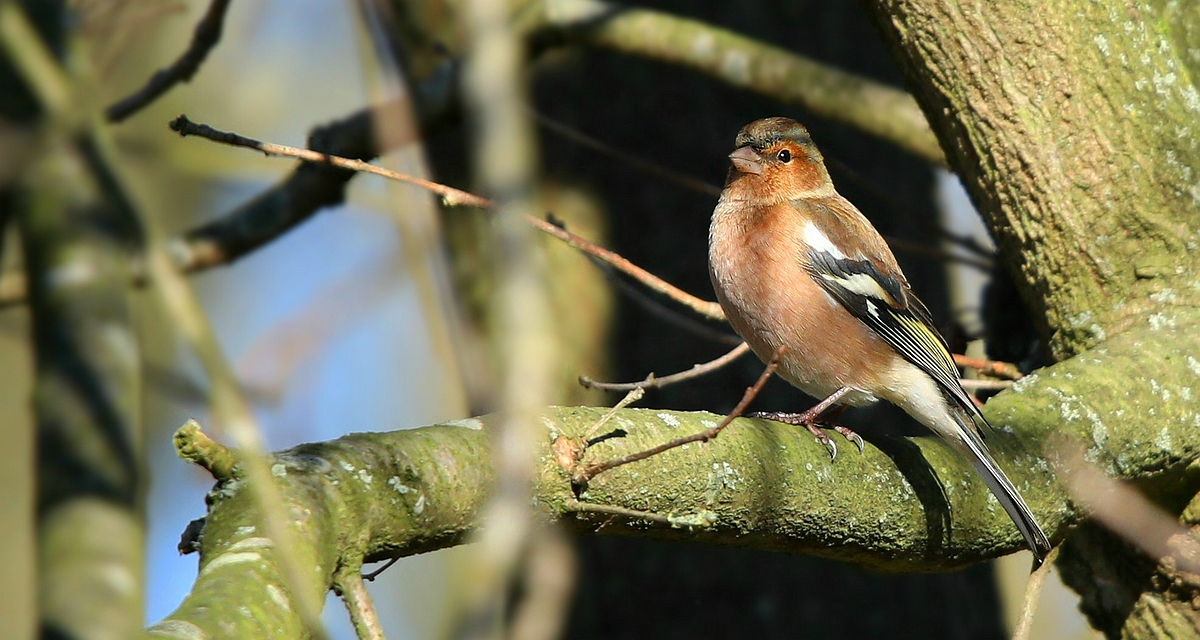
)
(584, 473)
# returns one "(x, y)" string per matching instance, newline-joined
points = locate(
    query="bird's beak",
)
(747, 160)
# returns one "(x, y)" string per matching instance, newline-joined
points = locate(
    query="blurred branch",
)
(205, 37)
(76, 241)
(985, 385)
(34, 61)
(1033, 593)
(905, 504)
(86, 403)
(1002, 370)
(742, 62)
(527, 341)
(349, 585)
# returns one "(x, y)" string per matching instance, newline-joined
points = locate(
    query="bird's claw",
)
(851, 436)
(832, 449)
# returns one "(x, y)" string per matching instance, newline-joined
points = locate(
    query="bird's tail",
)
(973, 447)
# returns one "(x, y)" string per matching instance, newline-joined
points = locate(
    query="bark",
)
(1075, 134)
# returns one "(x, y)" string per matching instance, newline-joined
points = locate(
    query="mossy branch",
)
(906, 504)
(194, 446)
(742, 61)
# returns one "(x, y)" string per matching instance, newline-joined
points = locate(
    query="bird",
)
(799, 270)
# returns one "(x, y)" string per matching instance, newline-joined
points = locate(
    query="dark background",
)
(641, 588)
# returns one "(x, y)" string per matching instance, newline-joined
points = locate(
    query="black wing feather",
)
(889, 307)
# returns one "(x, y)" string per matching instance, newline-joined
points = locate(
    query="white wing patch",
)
(863, 285)
(872, 309)
(817, 241)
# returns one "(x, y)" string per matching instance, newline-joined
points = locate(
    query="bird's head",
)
(776, 160)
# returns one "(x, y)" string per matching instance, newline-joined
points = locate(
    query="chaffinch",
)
(795, 265)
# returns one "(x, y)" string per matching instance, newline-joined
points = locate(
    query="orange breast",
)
(771, 301)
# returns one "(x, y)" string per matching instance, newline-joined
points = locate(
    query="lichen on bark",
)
(1076, 135)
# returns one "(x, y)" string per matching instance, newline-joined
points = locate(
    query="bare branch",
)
(452, 197)
(582, 474)
(653, 382)
(205, 37)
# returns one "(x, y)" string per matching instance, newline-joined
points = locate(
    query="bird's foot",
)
(808, 420)
(851, 436)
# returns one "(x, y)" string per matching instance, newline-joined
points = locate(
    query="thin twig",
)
(370, 577)
(591, 507)
(655, 308)
(692, 183)
(985, 385)
(587, 472)
(455, 197)
(700, 520)
(935, 253)
(451, 196)
(699, 305)
(652, 382)
(636, 162)
(205, 37)
(1033, 593)
(983, 254)
(358, 604)
(994, 368)
(633, 396)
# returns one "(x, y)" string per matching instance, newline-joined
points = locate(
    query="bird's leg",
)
(808, 420)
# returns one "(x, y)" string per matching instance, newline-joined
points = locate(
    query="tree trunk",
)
(1076, 133)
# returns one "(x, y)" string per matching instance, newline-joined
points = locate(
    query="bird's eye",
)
(785, 156)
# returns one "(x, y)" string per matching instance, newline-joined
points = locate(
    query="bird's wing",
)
(887, 305)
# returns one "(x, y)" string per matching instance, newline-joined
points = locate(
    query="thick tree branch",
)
(874, 107)
(905, 504)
